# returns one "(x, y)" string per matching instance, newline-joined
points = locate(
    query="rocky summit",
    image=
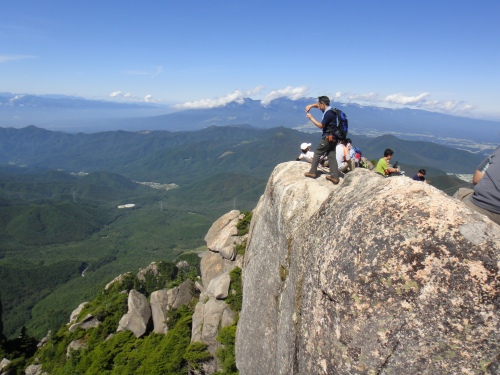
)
(372, 276)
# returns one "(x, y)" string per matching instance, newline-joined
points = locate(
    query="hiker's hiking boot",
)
(309, 174)
(334, 180)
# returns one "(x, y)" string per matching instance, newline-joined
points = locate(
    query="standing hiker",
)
(328, 141)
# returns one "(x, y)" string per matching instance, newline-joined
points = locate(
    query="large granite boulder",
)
(213, 265)
(208, 317)
(222, 230)
(163, 300)
(159, 308)
(219, 287)
(222, 237)
(372, 276)
(137, 319)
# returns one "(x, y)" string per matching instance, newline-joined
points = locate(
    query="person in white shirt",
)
(306, 154)
(355, 156)
(343, 157)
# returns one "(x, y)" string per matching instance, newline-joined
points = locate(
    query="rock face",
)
(211, 312)
(372, 276)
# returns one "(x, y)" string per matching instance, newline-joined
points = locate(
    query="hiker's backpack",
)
(357, 151)
(339, 125)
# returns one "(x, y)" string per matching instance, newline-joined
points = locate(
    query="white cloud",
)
(290, 92)
(132, 97)
(406, 100)
(255, 91)
(448, 106)
(363, 97)
(7, 58)
(120, 94)
(421, 101)
(236, 96)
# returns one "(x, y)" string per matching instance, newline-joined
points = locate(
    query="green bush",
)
(235, 297)
(196, 353)
(226, 353)
(243, 225)
(112, 353)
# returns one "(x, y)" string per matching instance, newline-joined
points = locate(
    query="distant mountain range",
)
(177, 157)
(80, 115)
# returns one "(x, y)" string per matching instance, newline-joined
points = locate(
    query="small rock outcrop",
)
(75, 345)
(3, 366)
(372, 276)
(152, 269)
(117, 279)
(138, 316)
(74, 315)
(34, 370)
(87, 322)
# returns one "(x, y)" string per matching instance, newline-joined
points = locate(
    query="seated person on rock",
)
(343, 157)
(383, 167)
(355, 155)
(420, 176)
(306, 154)
(485, 198)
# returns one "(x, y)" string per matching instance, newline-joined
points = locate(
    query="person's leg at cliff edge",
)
(325, 147)
(332, 162)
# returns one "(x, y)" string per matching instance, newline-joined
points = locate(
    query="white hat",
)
(303, 146)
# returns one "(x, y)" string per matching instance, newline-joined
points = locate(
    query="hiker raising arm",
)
(313, 120)
(327, 143)
(308, 107)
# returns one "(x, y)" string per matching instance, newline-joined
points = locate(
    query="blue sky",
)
(437, 55)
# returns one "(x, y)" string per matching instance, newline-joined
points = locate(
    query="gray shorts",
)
(464, 195)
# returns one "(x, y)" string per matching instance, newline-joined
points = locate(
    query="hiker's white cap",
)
(303, 146)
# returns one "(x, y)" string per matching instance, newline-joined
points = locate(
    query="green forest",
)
(63, 236)
(59, 249)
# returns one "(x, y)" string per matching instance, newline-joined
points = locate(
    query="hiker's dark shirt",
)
(328, 117)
